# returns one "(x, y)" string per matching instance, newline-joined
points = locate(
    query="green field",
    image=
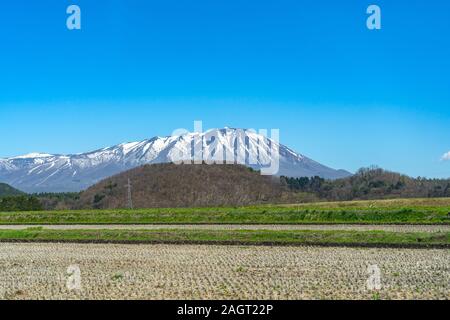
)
(414, 211)
(241, 237)
(401, 212)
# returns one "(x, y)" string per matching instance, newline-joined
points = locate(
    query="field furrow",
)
(391, 228)
(40, 271)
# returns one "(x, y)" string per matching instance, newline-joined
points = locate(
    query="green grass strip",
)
(395, 211)
(245, 215)
(288, 237)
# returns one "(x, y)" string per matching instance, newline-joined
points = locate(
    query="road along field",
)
(116, 271)
(348, 227)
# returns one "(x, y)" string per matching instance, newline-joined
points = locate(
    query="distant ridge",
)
(42, 172)
(7, 191)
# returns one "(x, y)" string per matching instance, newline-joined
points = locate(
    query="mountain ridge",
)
(42, 172)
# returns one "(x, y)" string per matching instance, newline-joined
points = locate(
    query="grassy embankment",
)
(403, 211)
(240, 237)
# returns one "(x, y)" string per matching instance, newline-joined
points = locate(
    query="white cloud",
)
(446, 156)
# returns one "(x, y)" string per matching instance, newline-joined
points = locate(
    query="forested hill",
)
(167, 185)
(12, 199)
(370, 183)
(170, 185)
(7, 191)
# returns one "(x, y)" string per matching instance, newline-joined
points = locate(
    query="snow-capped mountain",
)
(41, 172)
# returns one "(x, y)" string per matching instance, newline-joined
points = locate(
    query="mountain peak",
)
(33, 155)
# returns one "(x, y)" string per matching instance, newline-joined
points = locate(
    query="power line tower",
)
(129, 199)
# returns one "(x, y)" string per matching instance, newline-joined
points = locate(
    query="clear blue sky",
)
(339, 93)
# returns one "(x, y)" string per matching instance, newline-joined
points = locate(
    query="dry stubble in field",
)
(39, 271)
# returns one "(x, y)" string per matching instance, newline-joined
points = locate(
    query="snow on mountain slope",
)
(40, 172)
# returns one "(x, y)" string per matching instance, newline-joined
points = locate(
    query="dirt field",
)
(40, 271)
(394, 228)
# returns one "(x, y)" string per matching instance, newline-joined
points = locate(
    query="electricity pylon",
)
(129, 199)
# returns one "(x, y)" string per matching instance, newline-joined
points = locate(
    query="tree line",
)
(20, 203)
(368, 184)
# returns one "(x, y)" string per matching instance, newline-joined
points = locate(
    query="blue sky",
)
(339, 93)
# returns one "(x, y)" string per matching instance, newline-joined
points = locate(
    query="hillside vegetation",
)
(12, 199)
(7, 191)
(173, 186)
(170, 185)
(369, 183)
(20, 203)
